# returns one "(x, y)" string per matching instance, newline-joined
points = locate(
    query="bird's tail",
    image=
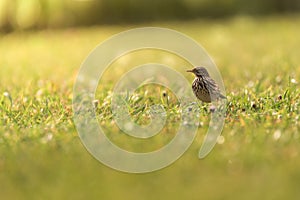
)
(222, 96)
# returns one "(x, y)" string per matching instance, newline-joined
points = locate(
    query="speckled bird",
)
(204, 87)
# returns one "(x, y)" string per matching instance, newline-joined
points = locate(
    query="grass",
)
(257, 156)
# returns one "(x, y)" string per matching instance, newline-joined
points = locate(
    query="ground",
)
(257, 156)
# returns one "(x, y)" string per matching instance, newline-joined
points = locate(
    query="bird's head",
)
(199, 71)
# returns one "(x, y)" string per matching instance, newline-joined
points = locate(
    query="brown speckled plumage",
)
(204, 87)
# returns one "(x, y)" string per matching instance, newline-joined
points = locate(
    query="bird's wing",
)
(214, 88)
(212, 85)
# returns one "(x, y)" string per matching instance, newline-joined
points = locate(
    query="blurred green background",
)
(254, 44)
(28, 14)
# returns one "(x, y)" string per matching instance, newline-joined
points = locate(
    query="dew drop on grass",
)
(47, 138)
(277, 135)
(278, 79)
(7, 95)
(39, 93)
(128, 126)
(201, 124)
(220, 139)
(293, 81)
(250, 84)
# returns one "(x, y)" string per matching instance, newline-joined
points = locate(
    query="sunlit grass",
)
(257, 155)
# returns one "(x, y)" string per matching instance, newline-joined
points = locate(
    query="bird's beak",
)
(190, 70)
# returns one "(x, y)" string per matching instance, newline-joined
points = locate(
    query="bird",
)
(204, 87)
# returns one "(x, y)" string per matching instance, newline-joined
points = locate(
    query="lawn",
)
(257, 156)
